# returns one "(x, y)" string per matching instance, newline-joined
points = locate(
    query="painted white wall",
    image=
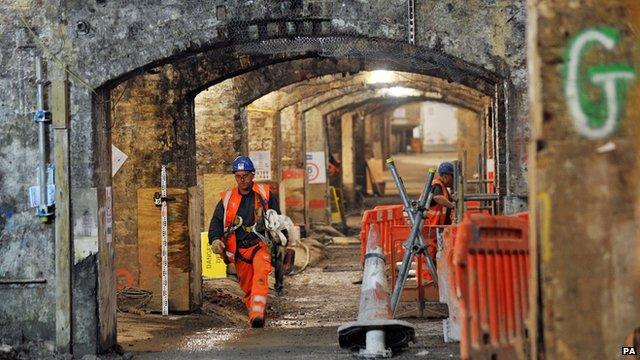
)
(439, 124)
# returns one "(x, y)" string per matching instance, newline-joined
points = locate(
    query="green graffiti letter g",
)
(595, 120)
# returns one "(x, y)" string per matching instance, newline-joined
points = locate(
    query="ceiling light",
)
(380, 77)
(400, 91)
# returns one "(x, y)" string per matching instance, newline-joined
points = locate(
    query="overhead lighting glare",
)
(380, 77)
(400, 91)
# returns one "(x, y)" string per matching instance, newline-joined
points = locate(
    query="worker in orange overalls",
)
(441, 206)
(232, 234)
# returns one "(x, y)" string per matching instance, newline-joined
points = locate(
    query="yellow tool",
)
(336, 214)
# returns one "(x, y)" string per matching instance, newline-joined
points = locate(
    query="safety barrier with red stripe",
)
(483, 272)
(394, 230)
(423, 287)
(491, 270)
(384, 217)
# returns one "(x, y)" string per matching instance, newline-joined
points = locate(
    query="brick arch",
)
(324, 89)
(206, 67)
(191, 74)
(197, 27)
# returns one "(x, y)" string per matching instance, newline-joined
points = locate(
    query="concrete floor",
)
(303, 325)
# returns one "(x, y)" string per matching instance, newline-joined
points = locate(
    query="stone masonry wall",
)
(105, 42)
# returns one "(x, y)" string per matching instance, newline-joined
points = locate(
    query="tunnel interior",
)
(533, 98)
(529, 99)
(318, 125)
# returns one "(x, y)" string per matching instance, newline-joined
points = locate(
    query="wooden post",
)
(195, 273)
(63, 248)
(106, 248)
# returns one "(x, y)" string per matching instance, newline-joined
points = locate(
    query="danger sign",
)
(316, 170)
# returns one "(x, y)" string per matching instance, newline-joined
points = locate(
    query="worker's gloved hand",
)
(217, 247)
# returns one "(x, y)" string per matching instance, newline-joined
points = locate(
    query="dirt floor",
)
(300, 325)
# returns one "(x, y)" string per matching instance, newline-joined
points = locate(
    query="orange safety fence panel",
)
(491, 260)
(424, 289)
(473, 207)
(384, 217)
(522, 215)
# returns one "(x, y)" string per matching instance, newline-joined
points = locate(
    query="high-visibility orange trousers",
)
(254, 278)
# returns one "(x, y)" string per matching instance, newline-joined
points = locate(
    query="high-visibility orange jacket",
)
(253, 263)
(437, 214)
(231, 202)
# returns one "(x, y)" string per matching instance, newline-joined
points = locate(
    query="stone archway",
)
(183, 77)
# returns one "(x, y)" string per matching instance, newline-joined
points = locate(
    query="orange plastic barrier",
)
(384, 217)
(424, 288)
(491, 259)
(473, 207)
(522, 215)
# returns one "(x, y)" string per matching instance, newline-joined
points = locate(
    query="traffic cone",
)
(375, 334)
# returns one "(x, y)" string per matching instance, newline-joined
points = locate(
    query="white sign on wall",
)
(316, 169)
(117, 159)
(262, 162)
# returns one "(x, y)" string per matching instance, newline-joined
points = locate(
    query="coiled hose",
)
(308, 258)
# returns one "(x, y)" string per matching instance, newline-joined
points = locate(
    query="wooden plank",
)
(106, 249)
(149, 249)
(195, 227)
(374, 170)
(213, 185)
(376, 165)
(377, 149)
(60, 114)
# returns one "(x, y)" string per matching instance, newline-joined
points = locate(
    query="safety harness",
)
(261, 204)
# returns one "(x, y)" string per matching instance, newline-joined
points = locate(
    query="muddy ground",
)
(300, 325)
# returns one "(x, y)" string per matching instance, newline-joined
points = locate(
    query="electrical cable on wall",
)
(64, 66)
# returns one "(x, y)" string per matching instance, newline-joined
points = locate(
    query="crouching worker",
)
(233, 235)
(441, 207)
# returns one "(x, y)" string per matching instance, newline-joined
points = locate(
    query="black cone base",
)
(398, 334)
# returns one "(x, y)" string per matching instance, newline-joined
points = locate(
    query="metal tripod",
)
(414, 245)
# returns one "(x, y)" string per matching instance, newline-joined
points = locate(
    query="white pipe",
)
(375, 345)
(375, 341)
(42, 155)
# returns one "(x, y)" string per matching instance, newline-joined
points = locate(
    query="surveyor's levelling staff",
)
(232, 233)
